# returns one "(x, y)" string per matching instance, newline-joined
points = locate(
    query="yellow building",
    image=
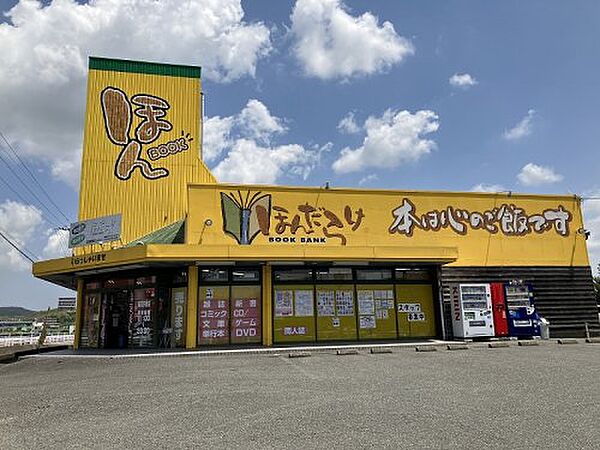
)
(200, 263)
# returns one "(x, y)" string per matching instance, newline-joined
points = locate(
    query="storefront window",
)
(117, 283)
(143, 281)
(373, 274)
(292, 275)
(412, 274)
(214, 275)
(334, 274)
(245, 275)
(229, 312)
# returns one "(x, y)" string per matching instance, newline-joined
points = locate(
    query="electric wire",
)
(33, 194)
(17, 248)
(28, 171)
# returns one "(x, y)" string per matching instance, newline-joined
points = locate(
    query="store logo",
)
(118, 116)
(245, 217)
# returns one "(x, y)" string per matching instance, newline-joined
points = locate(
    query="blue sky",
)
(279, 76)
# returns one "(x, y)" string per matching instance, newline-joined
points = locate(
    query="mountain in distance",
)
(16, 312)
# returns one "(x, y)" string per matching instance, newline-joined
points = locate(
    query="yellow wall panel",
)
(487, 229)
(127, 112)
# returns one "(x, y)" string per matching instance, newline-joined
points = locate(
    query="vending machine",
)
(499, 310)
(523, 319)
(472, 310)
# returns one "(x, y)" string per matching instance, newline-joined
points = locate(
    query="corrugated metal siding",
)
(563, 295)
(146, 205)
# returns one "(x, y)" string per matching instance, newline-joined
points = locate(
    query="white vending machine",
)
(471, 310)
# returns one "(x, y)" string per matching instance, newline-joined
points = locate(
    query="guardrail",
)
(32, 340)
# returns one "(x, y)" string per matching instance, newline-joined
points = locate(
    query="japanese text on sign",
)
(507, 219)
(310, 219)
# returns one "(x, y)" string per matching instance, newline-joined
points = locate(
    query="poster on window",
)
(325, 303)
(213, 316)
(141, 327)
(245, 321)
(304, 303)
(366, 302)
(367, 322)
(344, 301)
(284, 303)
(178, 316)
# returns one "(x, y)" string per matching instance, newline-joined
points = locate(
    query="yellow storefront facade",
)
(201, 264)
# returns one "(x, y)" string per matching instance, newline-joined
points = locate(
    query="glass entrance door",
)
(117, 319)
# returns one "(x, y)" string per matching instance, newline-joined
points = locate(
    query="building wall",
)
(157, 106)
(563, 295)
(487, 230)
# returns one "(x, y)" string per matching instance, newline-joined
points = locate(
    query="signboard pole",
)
(192, 308)
(267, 306)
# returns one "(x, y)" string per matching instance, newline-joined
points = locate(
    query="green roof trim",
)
(151, 68)
(171, 234)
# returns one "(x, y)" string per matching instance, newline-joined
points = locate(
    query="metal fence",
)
(10, 341)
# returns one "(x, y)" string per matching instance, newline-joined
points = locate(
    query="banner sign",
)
(95, 231)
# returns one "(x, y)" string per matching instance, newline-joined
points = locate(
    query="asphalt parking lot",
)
(517, 397)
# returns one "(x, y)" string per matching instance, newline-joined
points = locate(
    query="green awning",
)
(171, 234)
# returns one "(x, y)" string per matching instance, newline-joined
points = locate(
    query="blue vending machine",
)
(523, 319)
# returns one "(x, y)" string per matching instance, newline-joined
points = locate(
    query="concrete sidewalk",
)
(223, 351)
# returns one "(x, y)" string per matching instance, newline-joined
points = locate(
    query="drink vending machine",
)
(471, 310)
(499, 309)
(523, 319)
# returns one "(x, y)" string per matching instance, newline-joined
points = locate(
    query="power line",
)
(33, 194)
(32, 176)
(16, 247)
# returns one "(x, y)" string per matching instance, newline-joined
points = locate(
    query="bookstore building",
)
(164, 256)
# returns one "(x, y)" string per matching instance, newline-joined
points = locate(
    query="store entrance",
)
(117, 319)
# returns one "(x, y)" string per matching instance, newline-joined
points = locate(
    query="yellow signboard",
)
(141, 143)
(487, 229)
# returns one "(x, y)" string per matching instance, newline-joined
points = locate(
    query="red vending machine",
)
(499, 309)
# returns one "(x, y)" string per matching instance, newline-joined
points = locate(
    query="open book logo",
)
(245, 216)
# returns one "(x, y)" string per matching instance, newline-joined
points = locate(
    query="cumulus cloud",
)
(331, 43)
(522, 129)
(368, 179)
(19, 222)
(248, 162)
(250, 157)
(462, 80)
(57, 245)
(44, 60)
(216, 136)
(484, 187)
(348, 124)
(534, 175)
(395, 138)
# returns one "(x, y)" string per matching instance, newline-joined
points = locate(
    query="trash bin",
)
(544, 328)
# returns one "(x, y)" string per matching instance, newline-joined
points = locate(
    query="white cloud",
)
(367, 179)
(248, 162)
(348, 124)
(258, 122)
(393, 139)
(250, 157)
(331, 43)
(216, 136)
(483, 187)
(522, 129)
(19, 222)
(534, 175)
(591, 221)
(462, 80)
(44, 59)
(57, 245)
